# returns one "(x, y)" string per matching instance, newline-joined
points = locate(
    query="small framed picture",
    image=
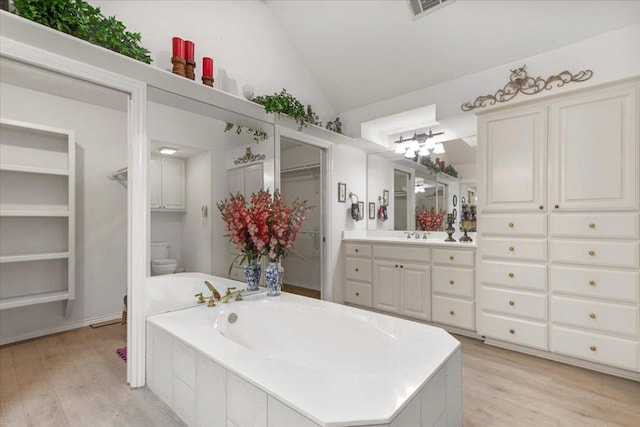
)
(342, 192)
(385, 197)
(372, 210)
(361, 208)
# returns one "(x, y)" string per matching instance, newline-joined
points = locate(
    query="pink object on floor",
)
(122, 352)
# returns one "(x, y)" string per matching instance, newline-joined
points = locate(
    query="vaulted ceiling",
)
(362, 52)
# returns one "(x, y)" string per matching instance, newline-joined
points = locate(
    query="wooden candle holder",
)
(189, 69)
(179, 66)
(207, 81)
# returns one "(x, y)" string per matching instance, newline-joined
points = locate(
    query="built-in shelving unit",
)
(37, 215)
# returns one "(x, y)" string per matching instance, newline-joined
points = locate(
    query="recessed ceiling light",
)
(167, 150)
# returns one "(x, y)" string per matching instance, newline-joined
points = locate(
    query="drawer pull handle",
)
(510, 274)
(592, 225)
(592, 282)
(451, 257)
(451, 282)
(511, 249)
(512, 302)
(592, 315)
(540, 207)
(593, 348)
(357, 270)
(557, 206)
(357, 250)
(512, 331)
(592, 253)
(357, 294)
(510, 225)
(451, 312)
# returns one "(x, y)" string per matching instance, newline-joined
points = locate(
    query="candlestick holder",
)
(207, 81)
(465, 225)
(179, 66)
(189, 69)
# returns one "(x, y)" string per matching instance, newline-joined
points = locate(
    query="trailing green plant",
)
(256, 134)
(430, 164)
(450, 170)
(285, 103)
(79, 19)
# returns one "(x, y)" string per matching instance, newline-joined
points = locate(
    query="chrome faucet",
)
(227, 296)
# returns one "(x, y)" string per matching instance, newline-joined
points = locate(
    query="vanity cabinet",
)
(167, 183)
(592, 290)
(402, 288)
(453, 281)
(358, 272)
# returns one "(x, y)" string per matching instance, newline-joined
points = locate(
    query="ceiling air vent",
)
(420, 8)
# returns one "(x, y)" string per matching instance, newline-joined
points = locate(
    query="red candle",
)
(178, 49)
(189, 49)
(207, 66)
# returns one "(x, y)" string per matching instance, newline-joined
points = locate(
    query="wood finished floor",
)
(75, 378)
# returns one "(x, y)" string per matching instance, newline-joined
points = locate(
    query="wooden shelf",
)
(34, 257)
(31, 169)
(24, 300)
(34, 213)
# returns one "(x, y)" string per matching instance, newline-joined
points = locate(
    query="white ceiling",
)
(367, 51)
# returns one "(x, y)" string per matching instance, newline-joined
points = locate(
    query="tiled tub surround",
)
(296, 361)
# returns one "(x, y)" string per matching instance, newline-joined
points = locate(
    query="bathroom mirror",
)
(187, 232)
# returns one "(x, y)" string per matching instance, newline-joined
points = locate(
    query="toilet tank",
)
(159, 250)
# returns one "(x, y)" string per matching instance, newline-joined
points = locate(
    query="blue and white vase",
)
(273, 276)
(252, 274)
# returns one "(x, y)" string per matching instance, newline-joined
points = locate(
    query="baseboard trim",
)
(66, 327)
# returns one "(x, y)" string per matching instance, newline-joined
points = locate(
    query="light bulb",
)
(439, 149)
(424, 151)
(430, 144)
(400, 148)
(410, 154)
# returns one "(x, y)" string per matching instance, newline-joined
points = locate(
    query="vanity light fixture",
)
(167, 150)
(420, 144)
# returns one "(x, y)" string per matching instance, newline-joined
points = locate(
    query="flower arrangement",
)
(268, 226)
(429, 220)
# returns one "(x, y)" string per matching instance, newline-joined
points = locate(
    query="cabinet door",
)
(595, 153)
(415, 292)
(252, 180)
(512, 159)
(155, 186)
(236, 181)
(386, 288)
(173, 183)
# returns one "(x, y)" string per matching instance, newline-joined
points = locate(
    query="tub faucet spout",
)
(227, 296)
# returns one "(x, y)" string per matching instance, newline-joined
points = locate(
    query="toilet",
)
(160, 261)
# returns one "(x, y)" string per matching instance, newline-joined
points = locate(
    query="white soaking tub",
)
(293, 361)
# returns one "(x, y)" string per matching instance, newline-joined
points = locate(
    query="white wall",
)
(611, 56)
(196, 236)
(101, 209)
(379, 178)
(242, 37)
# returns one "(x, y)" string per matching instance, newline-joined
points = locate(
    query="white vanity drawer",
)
(358, 269)
(454, 312)
(605, 225)
(401, 253)
(514, 303)
(358, 250)
(452, 281)
(517, 249)
(513, 225)
(601, 316)
(595, 347)
(525, 276)
(358, 293)
(237, 274)
(453, 257)
(523, 332)
(612, 254)
(596, 283)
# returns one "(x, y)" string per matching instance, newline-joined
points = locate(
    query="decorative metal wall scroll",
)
(520, 82)
(248, 157)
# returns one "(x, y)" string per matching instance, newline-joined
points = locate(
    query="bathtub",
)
(295, 361)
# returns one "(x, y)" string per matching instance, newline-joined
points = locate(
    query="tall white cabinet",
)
(37, 214)
(167, 179)
(559, 227)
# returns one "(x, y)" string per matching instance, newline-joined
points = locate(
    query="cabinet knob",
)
(511, 249)
(592, 253)
(401, 266)
(357, 294)
(357, 250)
(557, 206)
(451, 282)
(357, 270)
(592, 282)
(592, 225)
(541, 207)
(512, 302)
(510, 225)
(451, 257)
(593, 348)
(592, 315)
(451, 312)
(512, 331)
(510, 274)
(397, 266)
